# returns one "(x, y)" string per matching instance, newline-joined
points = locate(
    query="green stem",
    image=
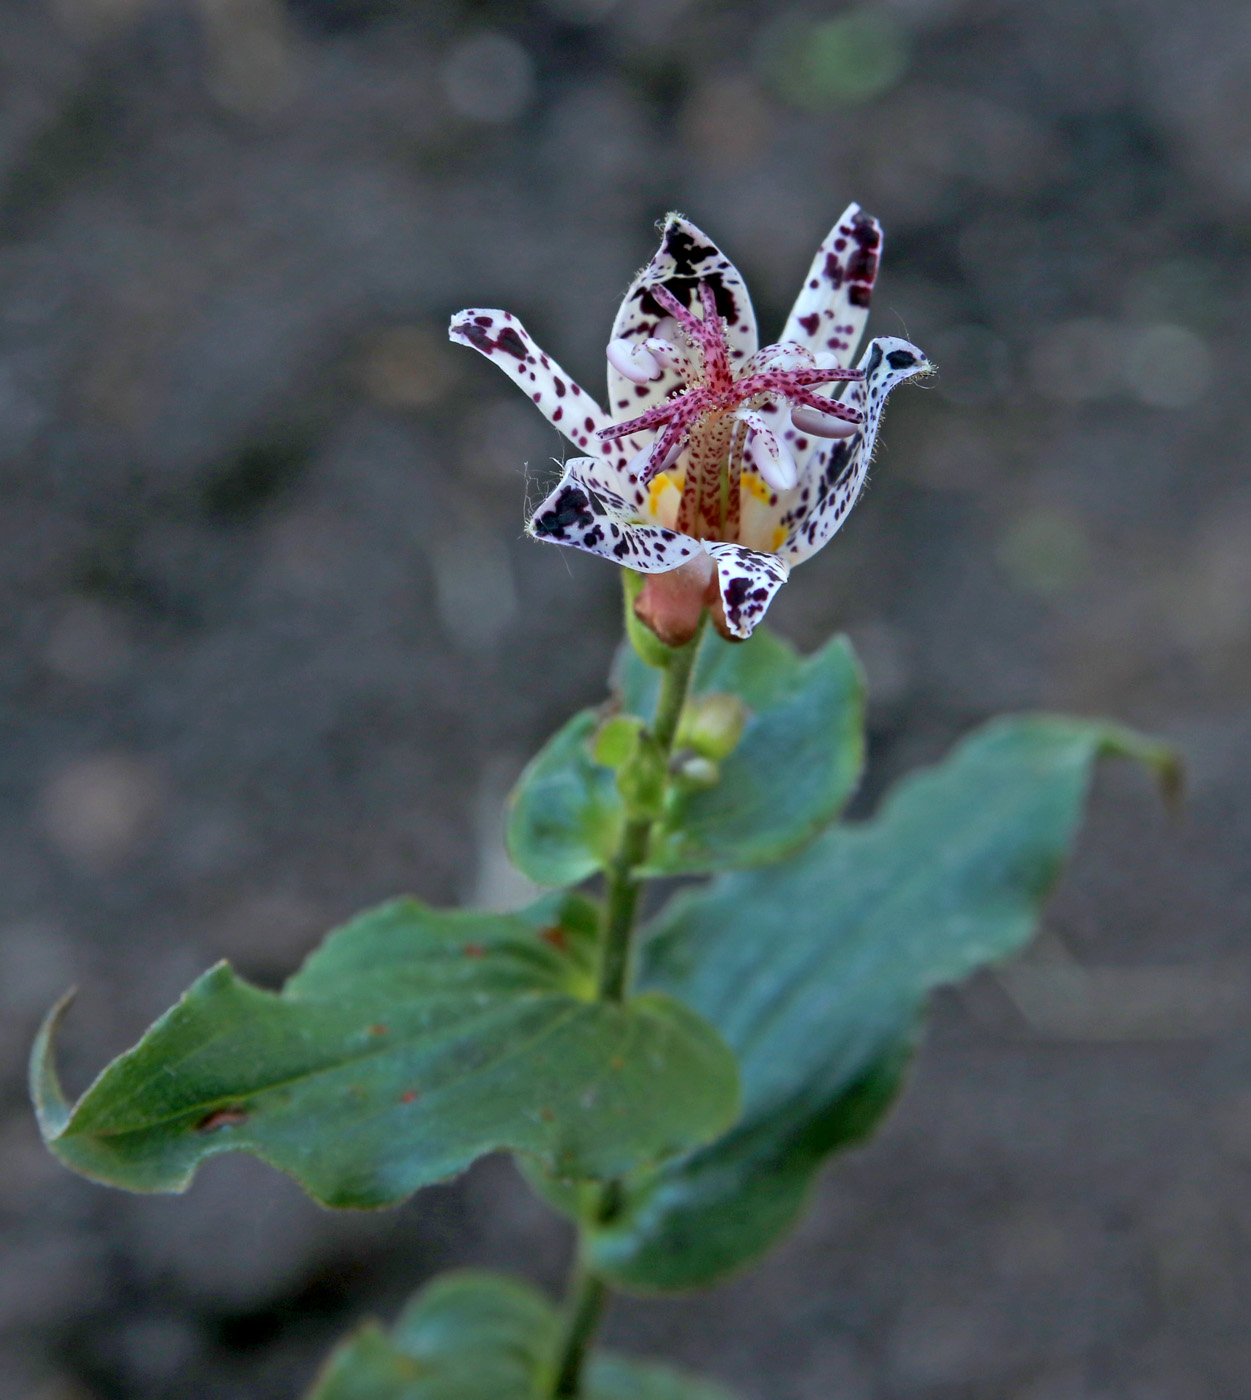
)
(621, 900)
(588, 1293)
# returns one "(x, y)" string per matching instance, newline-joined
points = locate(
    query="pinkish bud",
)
(671, 604)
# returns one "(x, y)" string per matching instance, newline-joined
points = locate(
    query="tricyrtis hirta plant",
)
(673, 1089)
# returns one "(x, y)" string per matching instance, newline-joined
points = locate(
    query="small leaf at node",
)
(617, 740)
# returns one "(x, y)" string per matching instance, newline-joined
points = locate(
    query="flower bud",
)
(642, 780)
(712, 725)
(695, 771)
(671, 604)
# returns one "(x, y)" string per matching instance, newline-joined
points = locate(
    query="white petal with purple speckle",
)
(580, 514)
(835, 472)
(748, 579)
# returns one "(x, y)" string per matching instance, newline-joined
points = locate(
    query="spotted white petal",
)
(582, 514)
(834, 474)
(686, 257)
(501, 337)
(833, 306)
(747, 579)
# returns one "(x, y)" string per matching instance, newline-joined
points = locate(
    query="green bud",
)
(712, 725)
(642, 779)
(617, 740)
(696, 771)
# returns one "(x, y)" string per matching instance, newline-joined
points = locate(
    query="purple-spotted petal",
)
(582, 514)
(686, 257)
(830, 313)
(747, 580)
(501, 337)
(835, 472)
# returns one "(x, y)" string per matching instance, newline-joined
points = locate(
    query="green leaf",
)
(412, 1042)
(786, 778)
(479, 1336)
(566, 817)
(816, 972)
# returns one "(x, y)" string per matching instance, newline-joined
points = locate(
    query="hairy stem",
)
(621, 901)
(587, 1294)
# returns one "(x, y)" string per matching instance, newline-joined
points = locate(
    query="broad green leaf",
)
(412, 1042)
(816, 972)
(788, 776)
(479, 1336)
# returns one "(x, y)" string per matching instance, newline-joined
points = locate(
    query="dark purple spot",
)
(571, 507)
(511, 343)
(862, 267)
(866, 232)
(476, 334)
(560, 386)
(810, 323)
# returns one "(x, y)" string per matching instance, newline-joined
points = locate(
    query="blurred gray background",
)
(274, 645)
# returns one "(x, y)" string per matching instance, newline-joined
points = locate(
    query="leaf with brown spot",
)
(304, 1080)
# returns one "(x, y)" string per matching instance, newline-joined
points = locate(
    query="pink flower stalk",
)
(719, 466)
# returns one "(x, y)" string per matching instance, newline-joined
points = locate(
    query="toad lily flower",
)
(719, 466)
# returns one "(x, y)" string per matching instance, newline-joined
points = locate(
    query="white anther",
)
(638, 464)
(826, 359)
(823, 425)
(786, 355)
(769, 454)
(664, 353)
(632, 361)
